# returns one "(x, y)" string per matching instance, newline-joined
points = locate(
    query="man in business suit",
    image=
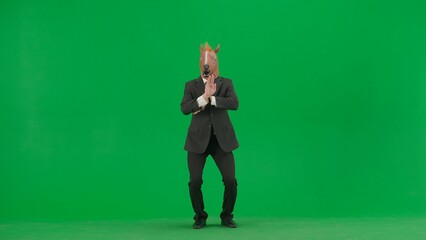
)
(208, 98)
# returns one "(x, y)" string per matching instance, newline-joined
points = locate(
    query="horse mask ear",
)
(217, 48)
(201, 48)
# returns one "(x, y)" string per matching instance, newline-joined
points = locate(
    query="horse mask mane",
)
(208, 60)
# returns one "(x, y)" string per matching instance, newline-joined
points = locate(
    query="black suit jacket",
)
(212, 116)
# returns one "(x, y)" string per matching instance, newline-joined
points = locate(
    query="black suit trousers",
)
(226, 164)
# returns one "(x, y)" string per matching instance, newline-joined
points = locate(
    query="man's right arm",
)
(190, 104)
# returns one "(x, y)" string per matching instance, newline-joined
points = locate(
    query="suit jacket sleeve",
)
(230, 101)
(189, 103)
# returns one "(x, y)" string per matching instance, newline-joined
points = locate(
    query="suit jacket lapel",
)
(218, 82)
(200, 86)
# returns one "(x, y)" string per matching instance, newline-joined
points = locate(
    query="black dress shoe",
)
(199, 223)
(229, 223)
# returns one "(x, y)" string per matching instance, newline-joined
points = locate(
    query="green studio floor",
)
(249, 228)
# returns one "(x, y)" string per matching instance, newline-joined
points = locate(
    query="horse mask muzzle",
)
(206, 71)
(206, 67)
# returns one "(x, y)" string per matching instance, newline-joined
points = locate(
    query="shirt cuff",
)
(213, 100)
(201, 101)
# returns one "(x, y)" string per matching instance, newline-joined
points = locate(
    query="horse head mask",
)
(208, 61)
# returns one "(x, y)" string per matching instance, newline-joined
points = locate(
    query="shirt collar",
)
(205, 80)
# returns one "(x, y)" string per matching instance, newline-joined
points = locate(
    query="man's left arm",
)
(230, 101)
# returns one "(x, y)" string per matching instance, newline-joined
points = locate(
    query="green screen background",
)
(331, 120)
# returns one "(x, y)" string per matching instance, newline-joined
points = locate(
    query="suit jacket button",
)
(211, 115)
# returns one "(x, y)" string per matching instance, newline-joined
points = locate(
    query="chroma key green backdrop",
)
(332, 117)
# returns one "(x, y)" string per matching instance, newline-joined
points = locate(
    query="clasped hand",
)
(209, 90)
(210, 87)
